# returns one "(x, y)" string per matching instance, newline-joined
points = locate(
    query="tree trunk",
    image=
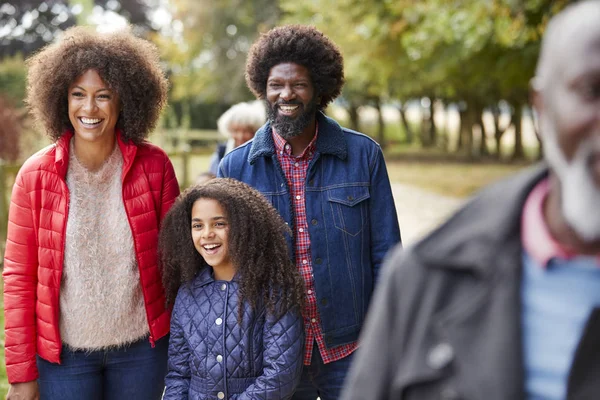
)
(432, 127)
(518, 153)
(408, 133)
(354, 118)
(483, 147)
(424, 133)
(462, 123)
(467, 120)
(380, 125)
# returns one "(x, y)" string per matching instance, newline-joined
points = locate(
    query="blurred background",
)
(442, 85)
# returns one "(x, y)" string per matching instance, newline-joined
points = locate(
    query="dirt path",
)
(420, 211)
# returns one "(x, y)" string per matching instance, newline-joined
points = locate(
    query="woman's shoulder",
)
(43, 160)
(148, 149)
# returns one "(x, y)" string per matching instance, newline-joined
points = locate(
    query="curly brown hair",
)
(127, 64)
(299, 44)
(257, 246)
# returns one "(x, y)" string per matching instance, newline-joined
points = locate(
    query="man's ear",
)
(535, 95)
(536, 99)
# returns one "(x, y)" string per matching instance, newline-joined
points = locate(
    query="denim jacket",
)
(350, 213)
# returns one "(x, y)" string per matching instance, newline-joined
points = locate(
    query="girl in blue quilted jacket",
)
(236, 328)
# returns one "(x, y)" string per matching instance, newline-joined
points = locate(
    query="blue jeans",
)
(134, 372)
(322, 380)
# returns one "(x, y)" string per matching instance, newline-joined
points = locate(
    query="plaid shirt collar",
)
(283, 147)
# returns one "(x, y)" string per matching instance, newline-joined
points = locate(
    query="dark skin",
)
(291, 82)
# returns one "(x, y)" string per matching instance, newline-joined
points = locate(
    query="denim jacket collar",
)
(331, 140)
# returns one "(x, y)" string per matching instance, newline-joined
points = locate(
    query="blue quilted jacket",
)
(213, 356)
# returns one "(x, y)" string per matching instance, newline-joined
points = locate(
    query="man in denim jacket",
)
(330, 185)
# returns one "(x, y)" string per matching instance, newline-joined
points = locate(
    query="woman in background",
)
(238, 125)
(84, 304)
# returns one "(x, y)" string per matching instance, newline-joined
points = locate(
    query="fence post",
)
(185, 156)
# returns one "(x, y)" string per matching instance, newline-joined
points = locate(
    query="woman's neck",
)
(93, 154)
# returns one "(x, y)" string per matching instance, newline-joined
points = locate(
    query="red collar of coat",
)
(61, 158)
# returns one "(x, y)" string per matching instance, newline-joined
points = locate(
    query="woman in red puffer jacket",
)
(84, 304)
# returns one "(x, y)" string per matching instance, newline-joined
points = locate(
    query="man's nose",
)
(287, 93)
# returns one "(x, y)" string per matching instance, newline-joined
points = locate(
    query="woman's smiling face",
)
(93, 108)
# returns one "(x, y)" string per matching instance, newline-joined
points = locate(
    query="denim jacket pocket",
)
(349, 208)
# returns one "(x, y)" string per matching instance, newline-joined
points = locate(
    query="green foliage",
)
(12, 79)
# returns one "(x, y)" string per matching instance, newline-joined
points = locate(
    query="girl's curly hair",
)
(257, 246)
(127, 64)
(299, 44)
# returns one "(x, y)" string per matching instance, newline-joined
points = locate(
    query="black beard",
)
(288, 127)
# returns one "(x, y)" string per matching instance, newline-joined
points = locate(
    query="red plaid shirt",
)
(295, 170)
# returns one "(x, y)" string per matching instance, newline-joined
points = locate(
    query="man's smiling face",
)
(290, 98)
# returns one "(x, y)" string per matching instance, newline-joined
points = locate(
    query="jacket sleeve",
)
(20, 283)
(282, 358)
(370, 375)
(177, 381)
(385, 232)
(170, 189)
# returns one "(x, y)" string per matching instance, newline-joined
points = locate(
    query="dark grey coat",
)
(445, 322)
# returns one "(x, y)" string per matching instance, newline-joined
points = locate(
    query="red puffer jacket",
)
(33, 261)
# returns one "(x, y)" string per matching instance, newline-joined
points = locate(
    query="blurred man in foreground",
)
(503, 300)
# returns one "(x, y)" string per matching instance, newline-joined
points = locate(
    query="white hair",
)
(250, 114)
(563, 28)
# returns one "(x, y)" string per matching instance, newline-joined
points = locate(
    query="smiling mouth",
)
(288, 109)
(90, 122)
(211, 248)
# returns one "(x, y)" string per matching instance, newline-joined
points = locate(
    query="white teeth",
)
(90, 120)
(288, 108)
(210, 246)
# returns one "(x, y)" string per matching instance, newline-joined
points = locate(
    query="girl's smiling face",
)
(210, 234)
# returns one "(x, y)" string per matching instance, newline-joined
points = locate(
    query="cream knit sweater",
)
(101, 301)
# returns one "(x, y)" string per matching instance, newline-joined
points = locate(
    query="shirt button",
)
(298, 197)
(221, 395)
(218, 321)
(304, 261)
(223, 286)
(313, 320)
(296, 164)
(318, 261)
(309, 292)
(301, 230)
(281, 152)
(314, 221)
(219, 358)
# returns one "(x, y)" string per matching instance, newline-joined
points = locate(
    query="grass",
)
(449, 178)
